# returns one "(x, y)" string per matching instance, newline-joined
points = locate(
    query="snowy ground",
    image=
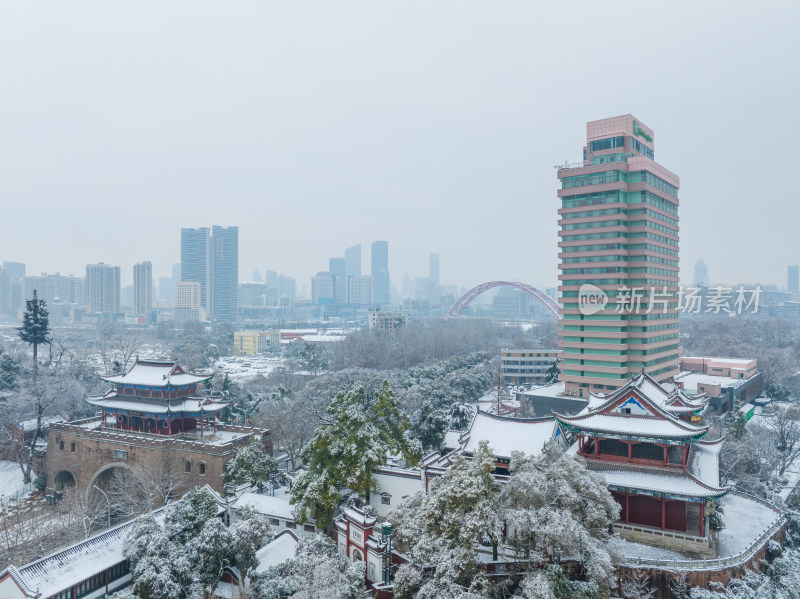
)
(745, 519)
(240, 368)
(792, 474)
(639, 550)
(10, 478)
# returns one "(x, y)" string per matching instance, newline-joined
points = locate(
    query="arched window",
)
(187, 466)
(72, 447)
(202, 467)
(60, 446)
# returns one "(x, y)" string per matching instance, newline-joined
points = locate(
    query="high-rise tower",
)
(143, 288)
(102, 288)
(352, 261)
(225, 273)
(618, 271)
(380, 271)
(196, 260)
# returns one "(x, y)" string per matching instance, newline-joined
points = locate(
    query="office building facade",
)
(352, 265)
(361, 290)
(143, 288)
(618, 251)
(380, 271)
(793, 273)
(322, 288)
(102, 288)
(196, 260)
(337, 268)
(433, 267)
(225, 273)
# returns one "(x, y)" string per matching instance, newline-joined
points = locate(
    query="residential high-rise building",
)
(322, 290)
(794, 278)
(51, 288)
(433, 267)
(618, 270)
(189, 295)
(102, 288)
(352, 260)
(339, 271)
(700, 278)
(196, 260)
(143, 288)
(361, 289)
(225, 273)
(380, 271)
(15, 270)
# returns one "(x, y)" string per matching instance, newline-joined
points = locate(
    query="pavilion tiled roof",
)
(675, 482)
(156, 374)
(659, 422)
(158, 406)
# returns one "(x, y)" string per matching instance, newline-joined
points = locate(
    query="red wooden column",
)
(702, 519)
(627, 508)
(663, 513)
(666, 455)
(630, 451)
(597, 446)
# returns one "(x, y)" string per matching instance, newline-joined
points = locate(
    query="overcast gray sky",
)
(433, 125)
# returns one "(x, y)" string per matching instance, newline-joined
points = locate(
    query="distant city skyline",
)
(442, 137)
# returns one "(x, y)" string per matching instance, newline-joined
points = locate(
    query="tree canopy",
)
(35, 329)
(360, 430)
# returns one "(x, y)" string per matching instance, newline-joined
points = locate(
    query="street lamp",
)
(107, 502)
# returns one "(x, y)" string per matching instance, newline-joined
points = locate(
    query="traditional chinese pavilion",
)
(159, 398)
(648, 442)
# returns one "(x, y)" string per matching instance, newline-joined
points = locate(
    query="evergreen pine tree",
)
(35, 324)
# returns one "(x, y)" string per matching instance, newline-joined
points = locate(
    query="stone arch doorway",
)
(356, 556)
(62, 480)
(108, 480)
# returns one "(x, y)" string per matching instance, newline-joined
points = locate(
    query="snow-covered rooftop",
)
(276, 507)
(657, 480)
(156, 374)
(641, 426)
(691, 380)
(277, 551)
(506, 434)
(704, 461)
(158, 406)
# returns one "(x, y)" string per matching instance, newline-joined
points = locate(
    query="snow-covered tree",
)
(187, 517)
(430, 427)
(316, 572)
(251, 465)
(210, 553)
(164, 571)
(638, 586)
(552, 502)
(446, 526)
(359, 431)
(35, 329)
(249, 533)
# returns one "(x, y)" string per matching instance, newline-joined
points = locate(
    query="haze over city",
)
(434, 126)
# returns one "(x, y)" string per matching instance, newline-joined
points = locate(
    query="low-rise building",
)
(728, 382)
(526, 366)
(387, 320)
(250, 343)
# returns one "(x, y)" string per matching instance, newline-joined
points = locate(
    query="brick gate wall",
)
(94, 449)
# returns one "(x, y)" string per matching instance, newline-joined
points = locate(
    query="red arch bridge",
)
(548, 302)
